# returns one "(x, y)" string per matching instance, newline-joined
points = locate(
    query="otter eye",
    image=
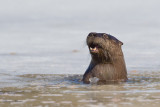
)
(105, 36)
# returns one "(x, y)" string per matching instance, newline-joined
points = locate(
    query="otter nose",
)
(92, 34)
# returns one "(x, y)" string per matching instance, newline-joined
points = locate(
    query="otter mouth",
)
(94, 48)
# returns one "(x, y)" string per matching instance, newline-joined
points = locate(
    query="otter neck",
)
(106, 60)
(100, 60)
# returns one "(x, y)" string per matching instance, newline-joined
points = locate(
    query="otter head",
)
(103, 47)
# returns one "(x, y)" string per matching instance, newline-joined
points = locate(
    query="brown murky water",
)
(142, 89)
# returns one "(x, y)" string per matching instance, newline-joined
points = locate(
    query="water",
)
(142, 89)
(44, 55)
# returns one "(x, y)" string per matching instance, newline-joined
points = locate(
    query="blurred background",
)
(48, 36)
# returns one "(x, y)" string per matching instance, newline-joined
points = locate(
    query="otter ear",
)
(120, 43)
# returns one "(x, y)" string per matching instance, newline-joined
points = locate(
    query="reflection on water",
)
(143, 88)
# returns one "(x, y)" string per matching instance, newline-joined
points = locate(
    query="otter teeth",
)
(93, 49)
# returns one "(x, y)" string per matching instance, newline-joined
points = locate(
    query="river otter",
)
(107, 63)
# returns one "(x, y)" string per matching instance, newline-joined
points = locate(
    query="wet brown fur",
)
(108, 64)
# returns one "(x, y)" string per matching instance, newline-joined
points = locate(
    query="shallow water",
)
(43, 53)
(142, 89)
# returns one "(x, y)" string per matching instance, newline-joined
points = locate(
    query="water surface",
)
(142, 89)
